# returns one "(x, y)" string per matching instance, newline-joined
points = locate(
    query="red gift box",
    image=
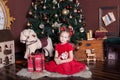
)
(36, 62)
(100, 34)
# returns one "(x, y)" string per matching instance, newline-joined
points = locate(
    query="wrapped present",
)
(36, 62)
(101, 33)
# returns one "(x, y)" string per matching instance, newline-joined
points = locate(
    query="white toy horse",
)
(29, 37)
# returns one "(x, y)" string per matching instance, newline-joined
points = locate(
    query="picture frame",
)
(113, 27)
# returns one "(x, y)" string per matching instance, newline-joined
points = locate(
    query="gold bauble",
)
(65, 12)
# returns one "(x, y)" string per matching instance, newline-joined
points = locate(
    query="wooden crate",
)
(97, 45)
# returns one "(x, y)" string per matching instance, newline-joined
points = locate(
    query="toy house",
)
(7, 51)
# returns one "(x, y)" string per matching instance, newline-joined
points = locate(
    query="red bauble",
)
(78, 11)
(67, 7)
(64, 19)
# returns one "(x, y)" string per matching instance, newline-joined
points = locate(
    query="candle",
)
(90, 33)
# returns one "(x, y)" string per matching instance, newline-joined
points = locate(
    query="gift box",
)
(36, 63)
(100, 35)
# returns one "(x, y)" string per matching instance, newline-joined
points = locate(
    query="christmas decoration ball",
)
(67, 7)
(56, 15)
(28, 24)
(82, 29)
(70, 0)
(30, 13)
(78, 11)
(44, 7)
(53, 7)
(65, 12)
(75, 10)
(70, 16)
(41, 26)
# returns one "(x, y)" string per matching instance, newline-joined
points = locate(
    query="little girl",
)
(64, 61)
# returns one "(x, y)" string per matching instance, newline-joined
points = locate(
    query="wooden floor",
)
(107, 70)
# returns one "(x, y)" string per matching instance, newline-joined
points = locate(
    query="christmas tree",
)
(49, 17)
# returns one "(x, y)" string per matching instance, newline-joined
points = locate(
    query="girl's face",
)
(64, 37)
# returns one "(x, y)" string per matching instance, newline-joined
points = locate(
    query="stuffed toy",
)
(29, 37)
(64, 56)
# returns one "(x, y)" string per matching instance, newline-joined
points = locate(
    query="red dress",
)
(68, 68)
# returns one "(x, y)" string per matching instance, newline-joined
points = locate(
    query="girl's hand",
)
(58, 61)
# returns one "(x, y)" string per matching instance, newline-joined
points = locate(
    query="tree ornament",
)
(42, 32)
(36, 2)
(78, 11)
(41, 2)
(32, 3)
(53, 7)
(41, 26)
(35, 16)
(65, 12)
(58, 5)
(81, 10)
(70, 26)
(77, 4)
(70, 7)
(45, 1)
(48, 21)
(44, 17)
(56, 24)
(80, 21)
(67, 7)
(35, 7)
(77, 1)
(56, 15)
(54, 1)
(64, 19)
(75, 10)
(30, 12)
(82, 29)
(28, 24)
(75, 21)
(71, 0)
(70, 30)
(81, 16)
(44, 7)
(71, 16)
(53, 31)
